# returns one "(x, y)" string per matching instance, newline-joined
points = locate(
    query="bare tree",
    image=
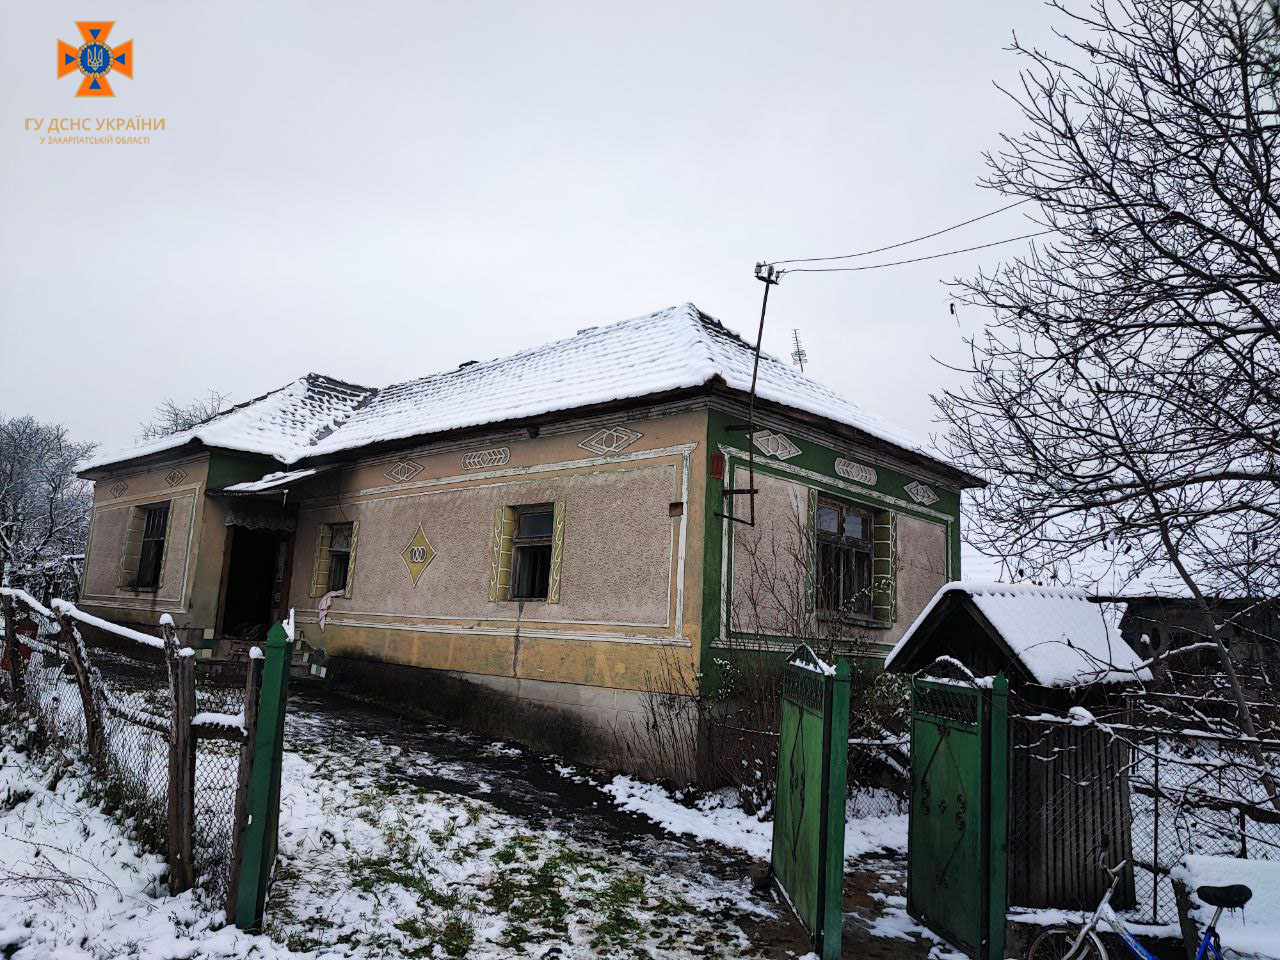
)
(726, 722)
(173, 417)
(1127, 396)
(44, 506)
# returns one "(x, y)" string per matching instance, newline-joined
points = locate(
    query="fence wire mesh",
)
(132, 684)
(1151, 796)
(217, 774)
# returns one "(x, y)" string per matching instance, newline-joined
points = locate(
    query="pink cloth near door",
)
(323, 605)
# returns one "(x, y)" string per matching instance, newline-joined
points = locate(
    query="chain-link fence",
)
(217, 772)
(1146, 795)
(132, 693)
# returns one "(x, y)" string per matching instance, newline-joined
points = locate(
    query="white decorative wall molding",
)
(479, 459)
(918, 492)
(610, 440)
(404, 471)
(857, 472)
(774, 444)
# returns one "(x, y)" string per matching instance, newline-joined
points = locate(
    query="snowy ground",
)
(408, 839)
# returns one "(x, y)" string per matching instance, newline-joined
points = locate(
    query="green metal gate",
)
(808, 825)
(956, 832)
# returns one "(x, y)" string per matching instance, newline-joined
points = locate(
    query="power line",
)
(903, 243)
(899, 263)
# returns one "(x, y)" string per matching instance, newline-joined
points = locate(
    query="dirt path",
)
(551, 794)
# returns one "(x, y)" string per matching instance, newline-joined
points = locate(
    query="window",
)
(845, 552)
(531, 552)
(335, 566)
(340, 541)
(155, 520)
(528, 547)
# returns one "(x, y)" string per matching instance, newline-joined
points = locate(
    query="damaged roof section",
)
(674, 349)
(275, 424)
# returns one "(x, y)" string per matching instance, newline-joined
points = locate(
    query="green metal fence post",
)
(998, 813)
(260, 831)
(807, 859)
(837, 754)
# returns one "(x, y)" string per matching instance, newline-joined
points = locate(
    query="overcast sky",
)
(381, 190)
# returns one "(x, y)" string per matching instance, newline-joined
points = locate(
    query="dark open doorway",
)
(255, 572)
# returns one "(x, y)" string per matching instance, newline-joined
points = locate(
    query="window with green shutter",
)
(884, 592)
(854, 562)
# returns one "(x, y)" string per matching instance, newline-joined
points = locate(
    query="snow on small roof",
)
(673, 349)
(1058, 636)
(274, 424)
(271, 481)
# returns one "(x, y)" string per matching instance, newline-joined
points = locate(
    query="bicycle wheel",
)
(1056, 945)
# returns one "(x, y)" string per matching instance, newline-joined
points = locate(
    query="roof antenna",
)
(798, 356)
(769, 275)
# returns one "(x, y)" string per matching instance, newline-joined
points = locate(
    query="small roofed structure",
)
(1059, 651)
(1051, 637)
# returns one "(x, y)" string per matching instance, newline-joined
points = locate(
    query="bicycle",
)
(1061, 943)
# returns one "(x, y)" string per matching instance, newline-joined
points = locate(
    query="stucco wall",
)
(181, 482)
(769, 570)
(768, 580)
(616, 564)
(630, 575)
(922, 570)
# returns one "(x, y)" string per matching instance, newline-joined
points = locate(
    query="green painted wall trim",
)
(712, 558)
(226, 468)
(819, 462)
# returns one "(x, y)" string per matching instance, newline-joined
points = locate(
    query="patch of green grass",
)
(457, 935)
(538, 900)
(617, 901)
(372, 874)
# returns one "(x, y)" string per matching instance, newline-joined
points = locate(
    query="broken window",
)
(340, 540)
(531, 552)
(335, 558)
(155, 522)
(844, 557)
(528, 547)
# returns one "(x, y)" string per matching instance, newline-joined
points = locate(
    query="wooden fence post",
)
(258, 851)
(182, 761)
(252, 690)
(12, 655)
(88, 695)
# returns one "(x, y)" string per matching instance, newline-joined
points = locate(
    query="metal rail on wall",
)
(769, 275)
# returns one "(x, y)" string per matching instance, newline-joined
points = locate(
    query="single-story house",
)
(537, 543)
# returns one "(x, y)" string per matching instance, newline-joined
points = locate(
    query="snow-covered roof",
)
(284, 420)
(1058, 636)
(676, 348)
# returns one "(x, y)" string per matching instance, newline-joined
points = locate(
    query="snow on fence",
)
(1152, 795)
(173, 756)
